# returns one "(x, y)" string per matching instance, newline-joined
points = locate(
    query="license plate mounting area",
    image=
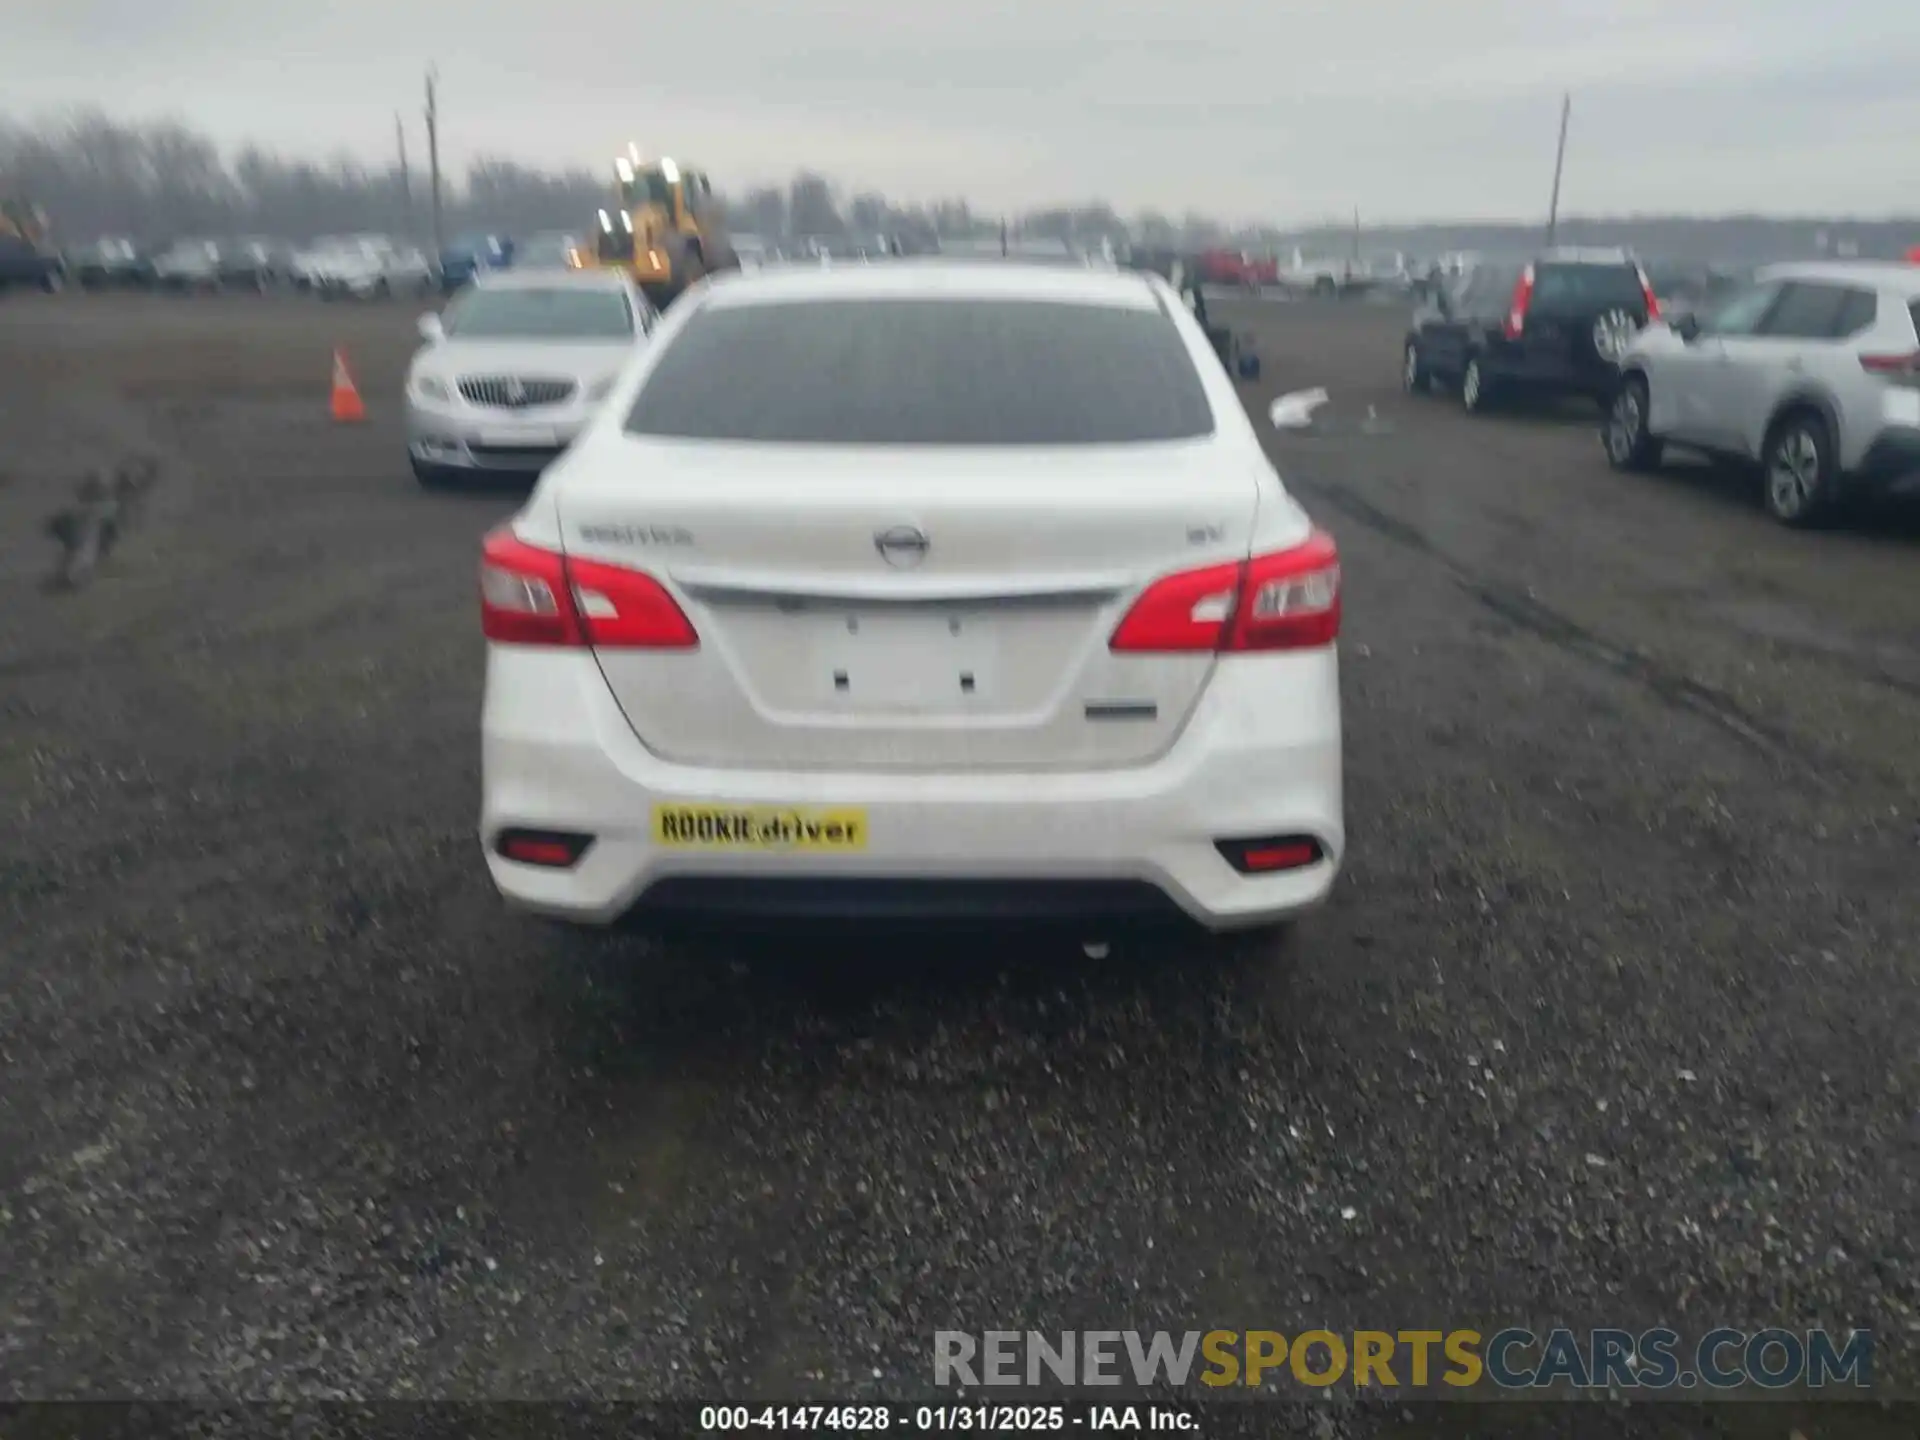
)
(924, 660)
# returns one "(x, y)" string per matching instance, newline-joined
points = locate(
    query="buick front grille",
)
(513, 392)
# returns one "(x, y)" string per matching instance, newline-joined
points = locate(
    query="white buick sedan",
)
(929, 590)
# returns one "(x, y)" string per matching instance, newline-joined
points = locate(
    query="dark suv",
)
(1554, 325)
(24, 263)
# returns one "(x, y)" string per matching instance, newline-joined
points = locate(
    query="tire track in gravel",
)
(1526, 612)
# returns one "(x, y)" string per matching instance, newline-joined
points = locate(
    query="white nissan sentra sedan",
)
(934, 589)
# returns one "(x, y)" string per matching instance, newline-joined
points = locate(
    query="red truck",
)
(1238, 267)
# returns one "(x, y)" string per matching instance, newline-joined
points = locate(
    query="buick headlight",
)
(600, 389)
(431, 387)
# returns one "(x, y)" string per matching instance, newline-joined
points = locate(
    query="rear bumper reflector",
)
(1271, 853)
(552, 849)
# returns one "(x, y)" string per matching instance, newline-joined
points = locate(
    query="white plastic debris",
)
(1295, 411)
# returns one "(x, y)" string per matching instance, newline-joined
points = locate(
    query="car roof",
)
(547, 279)
(1895, 275)
(1585, 255)
(914, 277)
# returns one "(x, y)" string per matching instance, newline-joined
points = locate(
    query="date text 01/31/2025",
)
(924, 1419)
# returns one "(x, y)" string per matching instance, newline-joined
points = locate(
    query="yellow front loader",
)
(664, 228)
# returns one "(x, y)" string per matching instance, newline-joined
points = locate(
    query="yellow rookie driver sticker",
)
(727, 827)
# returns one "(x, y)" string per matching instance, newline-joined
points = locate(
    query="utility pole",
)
(1559, 163)
(433, 160)
(406, 181)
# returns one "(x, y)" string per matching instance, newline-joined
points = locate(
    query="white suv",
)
(1812, 370)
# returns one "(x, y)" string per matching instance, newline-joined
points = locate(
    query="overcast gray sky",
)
(1295, 112)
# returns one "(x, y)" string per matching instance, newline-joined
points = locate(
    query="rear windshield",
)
(1575, 286)
(925, 372)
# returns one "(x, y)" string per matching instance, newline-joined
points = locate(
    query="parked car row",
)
(1807, 374)
(1296, 274)
(360, 266)
(198, 264)
(27, 265)
(364, 267)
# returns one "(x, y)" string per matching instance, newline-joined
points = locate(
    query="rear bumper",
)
(1891, 464)
(1260, 757)
(887, 901)
(1548, 373)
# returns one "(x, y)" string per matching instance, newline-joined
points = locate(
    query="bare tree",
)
(810, 206)
(97, 175)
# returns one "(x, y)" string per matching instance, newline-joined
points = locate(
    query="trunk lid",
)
(830, 639)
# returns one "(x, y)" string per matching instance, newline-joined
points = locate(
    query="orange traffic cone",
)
(347, 406)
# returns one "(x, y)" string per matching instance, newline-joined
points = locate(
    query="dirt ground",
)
(1611, 1023)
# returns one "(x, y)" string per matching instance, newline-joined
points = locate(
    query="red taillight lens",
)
(1653, 303)
(1289, 600)
(1517, 311)
(1268, 856)
(625, 609)
(554, 849)
(1891, 364)
(530, 596)
(1188, 611)
(523, 594)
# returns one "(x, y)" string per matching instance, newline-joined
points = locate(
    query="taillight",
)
(1653, 303)
(530, 596)
(1188, 611)
(523, 594)
(625, 609)
(1891, 364)
(1517, 310)
(1289, 600)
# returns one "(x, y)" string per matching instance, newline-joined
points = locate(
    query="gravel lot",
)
(1612, 1022)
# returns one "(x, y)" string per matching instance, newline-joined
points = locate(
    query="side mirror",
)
(1687, 327)
(431, 330)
